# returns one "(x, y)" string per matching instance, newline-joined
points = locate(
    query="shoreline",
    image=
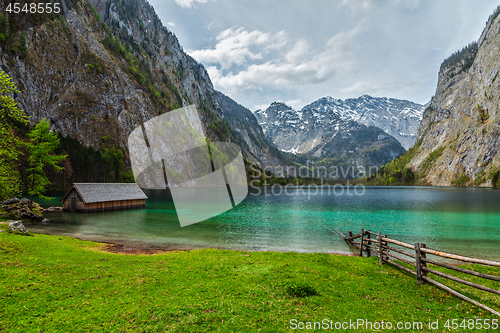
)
(138, 249)
(143, 249)
(154, 249)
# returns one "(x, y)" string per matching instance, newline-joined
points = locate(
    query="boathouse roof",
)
(103, 192)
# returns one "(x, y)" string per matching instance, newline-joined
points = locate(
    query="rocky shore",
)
(19, 209)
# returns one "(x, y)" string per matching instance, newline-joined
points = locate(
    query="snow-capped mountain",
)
(306, 130)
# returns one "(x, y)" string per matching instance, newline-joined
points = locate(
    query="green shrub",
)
(299, 289)
(483, 114)
(481, 178)
(429, 161)
(3, 24)
(495, 178)
(461, 180)
(94, 12)
(132, 70)
(93, 63)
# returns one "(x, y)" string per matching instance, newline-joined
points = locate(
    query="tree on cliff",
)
(41, 149)
(11, 118)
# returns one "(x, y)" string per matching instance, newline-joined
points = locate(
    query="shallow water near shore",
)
(459, 220)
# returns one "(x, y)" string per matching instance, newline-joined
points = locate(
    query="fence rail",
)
(380, 248)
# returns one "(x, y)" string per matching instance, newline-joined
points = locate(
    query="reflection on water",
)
(459, 220)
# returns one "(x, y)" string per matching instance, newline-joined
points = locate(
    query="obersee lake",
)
(459, 220)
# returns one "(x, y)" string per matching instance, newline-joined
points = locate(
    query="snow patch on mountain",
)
(299, 131)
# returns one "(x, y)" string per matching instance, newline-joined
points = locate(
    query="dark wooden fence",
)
(375, 243)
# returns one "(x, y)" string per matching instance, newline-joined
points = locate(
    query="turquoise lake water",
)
(459, 220)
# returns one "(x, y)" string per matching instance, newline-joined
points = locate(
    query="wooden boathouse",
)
(94, 197)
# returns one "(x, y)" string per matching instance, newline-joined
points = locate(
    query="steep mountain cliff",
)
(301, 131)
(251, 139)
(102, 67)
(459, 139)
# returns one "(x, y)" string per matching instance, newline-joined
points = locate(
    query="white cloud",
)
(171, 24)
(400, 45)
(189, 3)
(299, 52)
(295, 103)
(235, 46)
(377, 88)
(359, 88)
(358, 6)
(292, 64)
(260, 107)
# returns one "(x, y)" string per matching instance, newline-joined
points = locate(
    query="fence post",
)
(418, 264)
(369, 243)
(380, 260)
(361, 247)
(386, 250)
(424, 264)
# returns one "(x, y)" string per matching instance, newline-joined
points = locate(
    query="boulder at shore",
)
(20, 209)
(18, 227)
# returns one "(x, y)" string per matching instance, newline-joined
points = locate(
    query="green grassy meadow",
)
(61, 284)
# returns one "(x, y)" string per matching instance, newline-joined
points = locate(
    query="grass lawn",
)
(60, 284)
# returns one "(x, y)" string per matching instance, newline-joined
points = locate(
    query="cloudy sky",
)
(261, 51)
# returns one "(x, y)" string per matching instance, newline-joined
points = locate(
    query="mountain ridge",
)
(321, 133)
(101, 68)
(398, 118)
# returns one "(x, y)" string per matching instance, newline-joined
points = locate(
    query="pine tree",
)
(41, 149)
(11, 116)
(22, 46)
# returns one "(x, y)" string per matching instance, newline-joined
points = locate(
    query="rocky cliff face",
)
(459, 138)
(101, 68)
(301, 131)
(251, 139)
